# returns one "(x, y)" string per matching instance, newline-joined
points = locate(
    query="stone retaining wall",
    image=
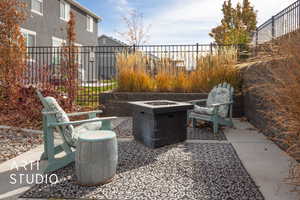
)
(115, 103)
(255, 76)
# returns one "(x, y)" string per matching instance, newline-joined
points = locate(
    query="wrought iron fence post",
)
(298, 14)
(256, 37)
(273, 27)
(197, 51)
(211, 48)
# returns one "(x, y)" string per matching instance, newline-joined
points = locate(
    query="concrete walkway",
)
(267, 164)
(264, 161)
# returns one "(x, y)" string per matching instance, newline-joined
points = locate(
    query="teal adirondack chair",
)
(218, 109)
(54, 117)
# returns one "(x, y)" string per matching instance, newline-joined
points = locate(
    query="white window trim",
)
(64, 41)
(79, 54)
(63, 19)
(58, 39)
(88, 21)
(67, 11)
(23, 30)
(37, 12)
(26, 31)
(56, 57)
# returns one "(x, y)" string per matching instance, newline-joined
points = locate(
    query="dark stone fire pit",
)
(159, 123)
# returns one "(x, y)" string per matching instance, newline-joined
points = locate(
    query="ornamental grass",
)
(141, 73)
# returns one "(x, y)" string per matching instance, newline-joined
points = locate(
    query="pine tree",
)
(237, 24)
(249, 16)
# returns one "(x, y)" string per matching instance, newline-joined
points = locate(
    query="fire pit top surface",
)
(160, 103)
(160, 106)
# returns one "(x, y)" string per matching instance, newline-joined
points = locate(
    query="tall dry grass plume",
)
(165, 75)
(132, 73)
(138, 73)
(214, 69)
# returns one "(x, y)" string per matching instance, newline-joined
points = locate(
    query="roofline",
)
(114, 39)
(88, 11)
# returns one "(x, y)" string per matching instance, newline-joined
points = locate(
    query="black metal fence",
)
(286, 21)
(97, 65)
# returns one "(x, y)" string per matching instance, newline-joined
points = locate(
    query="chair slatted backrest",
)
(224, 110)
(51, 105)
(51, 118)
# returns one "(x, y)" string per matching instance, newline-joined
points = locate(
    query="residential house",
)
(108, 49)
(46, 26)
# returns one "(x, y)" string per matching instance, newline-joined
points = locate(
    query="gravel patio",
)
(206, 166)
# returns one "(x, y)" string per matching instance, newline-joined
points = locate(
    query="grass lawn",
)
(89, 96)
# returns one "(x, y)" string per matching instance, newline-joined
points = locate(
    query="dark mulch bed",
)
(181, 171)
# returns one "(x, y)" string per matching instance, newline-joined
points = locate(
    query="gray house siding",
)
(49, 25)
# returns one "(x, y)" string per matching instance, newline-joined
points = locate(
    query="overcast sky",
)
(174, 21)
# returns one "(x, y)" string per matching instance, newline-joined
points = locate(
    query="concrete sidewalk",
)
(9, 173)
(265, 162)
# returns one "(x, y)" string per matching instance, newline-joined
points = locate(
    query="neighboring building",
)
(46, 26)
(105, 40)
(106, 58)
(47, 20)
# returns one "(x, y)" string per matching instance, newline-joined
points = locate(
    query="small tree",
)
(137, 33)
(12, 48)
(237, 24)
(69, 61)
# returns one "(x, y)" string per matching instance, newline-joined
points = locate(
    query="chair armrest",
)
(81, 121)
(217, 105)
(194, 102)
(221, 104)
(85, 113)
(49, 113)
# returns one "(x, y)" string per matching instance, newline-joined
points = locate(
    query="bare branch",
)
(137, 33)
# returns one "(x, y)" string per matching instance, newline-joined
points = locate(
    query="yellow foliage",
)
(134, 73)
(214, 69)
(163, 82)
(181, 82)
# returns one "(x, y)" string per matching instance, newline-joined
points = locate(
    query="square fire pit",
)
(160, 122)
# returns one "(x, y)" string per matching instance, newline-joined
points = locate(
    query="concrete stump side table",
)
(96, 157)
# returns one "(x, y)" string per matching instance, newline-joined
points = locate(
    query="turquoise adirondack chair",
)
(54, 117)
(218, 109)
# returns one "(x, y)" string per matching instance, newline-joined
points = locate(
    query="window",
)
(64, 11)
(30, 37)
(37, 6)
(57, 50)
(30, 41)
(90, 23)
(57, 43)
(78, 53)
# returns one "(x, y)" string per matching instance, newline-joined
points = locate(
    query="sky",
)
(173, 21)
